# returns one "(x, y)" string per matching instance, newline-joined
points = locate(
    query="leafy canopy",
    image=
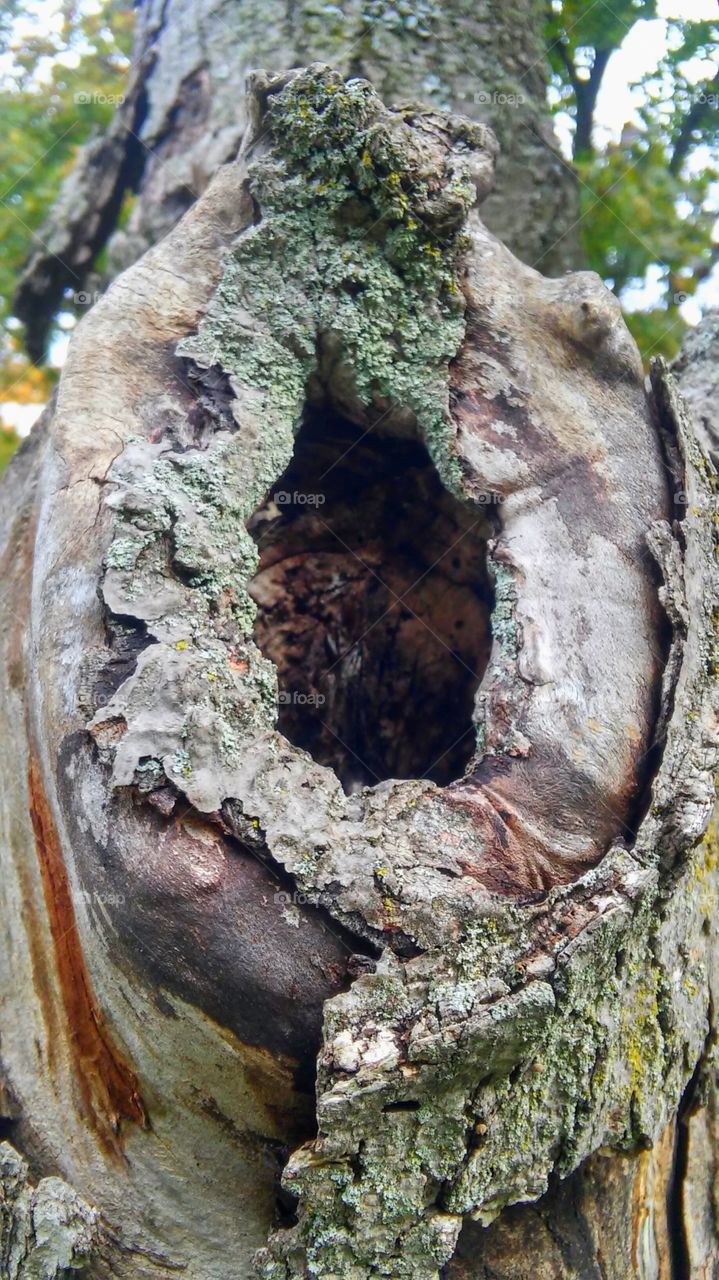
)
(59, 80)
(648, 202)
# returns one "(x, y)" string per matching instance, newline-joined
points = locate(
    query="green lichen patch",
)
(475, 1099)
(181, 555)
(525, 1034)
(347, 283)
(353, 265)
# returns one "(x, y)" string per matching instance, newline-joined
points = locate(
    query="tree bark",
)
(653, 1213)
(696, 371)
(184, 115)
(506, 978)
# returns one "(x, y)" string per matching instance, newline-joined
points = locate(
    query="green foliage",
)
(648, 209)
(581, 24)
(8, 444)
(62, 88)
(48, 108)
(638, 216)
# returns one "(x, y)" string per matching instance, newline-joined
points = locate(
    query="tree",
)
(173, 129)
(501, 963)
(645, 204)
(55, 90)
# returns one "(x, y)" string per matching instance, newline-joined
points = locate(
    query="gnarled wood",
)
(184, 115)
(516, 1007)
(513, 973)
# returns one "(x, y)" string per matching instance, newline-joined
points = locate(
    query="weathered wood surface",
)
(97, 1029)
(184, 115)
(535, 981)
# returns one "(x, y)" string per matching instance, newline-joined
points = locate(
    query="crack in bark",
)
(680, 1260)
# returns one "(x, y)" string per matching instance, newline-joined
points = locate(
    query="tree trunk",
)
(360, 712)
(654, 1212)
(184, 115)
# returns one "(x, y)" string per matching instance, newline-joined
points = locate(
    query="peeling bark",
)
(514, 972)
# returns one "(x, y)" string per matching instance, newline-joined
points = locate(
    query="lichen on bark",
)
(347, 210)
(354, 261)
(47, 1232)
(522, 1013)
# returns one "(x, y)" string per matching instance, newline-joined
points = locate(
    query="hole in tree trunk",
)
(373, 603)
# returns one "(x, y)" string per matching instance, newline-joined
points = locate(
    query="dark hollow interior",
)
(373, 603)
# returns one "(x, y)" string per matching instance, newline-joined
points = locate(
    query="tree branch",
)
(586, 94)
(693, 120)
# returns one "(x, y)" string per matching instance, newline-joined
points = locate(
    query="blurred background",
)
(634, 91)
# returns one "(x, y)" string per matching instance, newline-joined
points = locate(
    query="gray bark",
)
(514, 972)
(654, 1213)
(184, 116)
(46, 1232)
(696, 371)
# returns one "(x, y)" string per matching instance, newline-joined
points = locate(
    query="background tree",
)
(55, 90)
(647, 207)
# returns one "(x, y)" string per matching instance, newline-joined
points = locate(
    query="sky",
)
(616, 106)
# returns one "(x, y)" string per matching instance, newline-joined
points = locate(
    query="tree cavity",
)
(374, 604)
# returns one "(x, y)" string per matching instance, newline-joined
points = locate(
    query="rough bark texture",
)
(46, 1232)
(184, 115)
(85, 994)
(653, 1214)
(513, 970)
(696, 370)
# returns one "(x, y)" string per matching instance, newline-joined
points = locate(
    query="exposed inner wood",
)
(108, 1086)
(374, 604)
